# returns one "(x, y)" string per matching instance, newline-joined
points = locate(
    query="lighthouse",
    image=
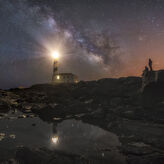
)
(55, 56)
(58, 78)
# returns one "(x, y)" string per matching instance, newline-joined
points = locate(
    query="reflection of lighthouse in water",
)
(55, 137)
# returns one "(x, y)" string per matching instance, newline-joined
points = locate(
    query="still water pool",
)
(71, 136)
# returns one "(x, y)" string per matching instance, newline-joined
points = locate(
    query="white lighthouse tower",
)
(55, 69)
(55, 56)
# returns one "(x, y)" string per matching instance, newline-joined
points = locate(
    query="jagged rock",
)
(150, 159)
(4, 107)
(117, 105)
(116, 101)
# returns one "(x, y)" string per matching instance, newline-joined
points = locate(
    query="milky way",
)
(96, 38)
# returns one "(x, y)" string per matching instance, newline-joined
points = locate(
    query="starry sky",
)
(96, 38)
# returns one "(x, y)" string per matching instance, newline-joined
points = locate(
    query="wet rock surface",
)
(42, 156)
(115, 105)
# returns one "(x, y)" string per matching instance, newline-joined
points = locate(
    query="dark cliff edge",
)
(116, 105)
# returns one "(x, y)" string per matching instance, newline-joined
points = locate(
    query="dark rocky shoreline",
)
(116, 105)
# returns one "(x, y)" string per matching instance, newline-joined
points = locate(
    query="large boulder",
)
(160, 76)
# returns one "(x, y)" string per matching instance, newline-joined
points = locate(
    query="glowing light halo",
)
(55, 55)
(58, 77)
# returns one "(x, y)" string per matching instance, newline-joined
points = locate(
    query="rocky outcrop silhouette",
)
(116, 105)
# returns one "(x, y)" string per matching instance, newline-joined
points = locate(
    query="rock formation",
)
(115, 105)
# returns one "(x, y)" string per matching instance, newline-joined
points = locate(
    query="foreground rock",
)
(42, 156)
(116, 105)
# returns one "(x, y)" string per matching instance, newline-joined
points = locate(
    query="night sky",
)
(96, 38)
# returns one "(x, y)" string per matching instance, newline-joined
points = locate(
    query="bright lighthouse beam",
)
(55, 55)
